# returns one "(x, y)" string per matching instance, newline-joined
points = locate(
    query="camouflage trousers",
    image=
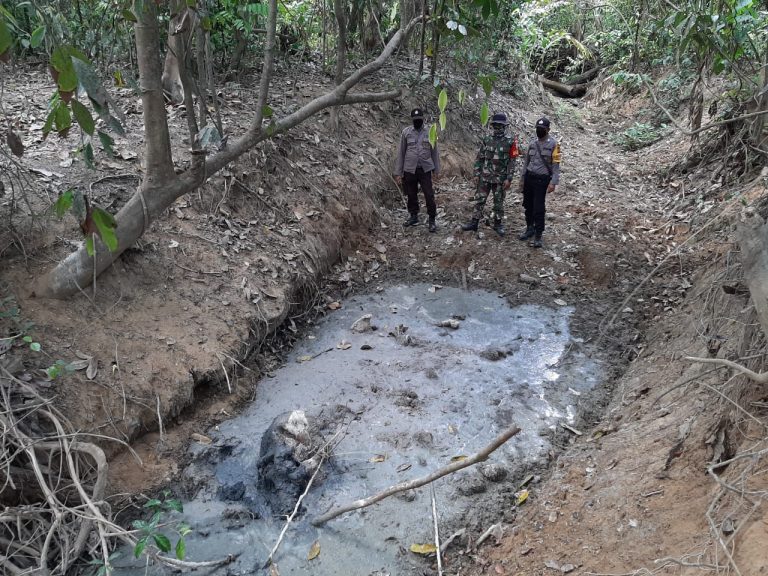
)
(481, 195)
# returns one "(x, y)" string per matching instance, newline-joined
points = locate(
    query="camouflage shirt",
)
(496, 158)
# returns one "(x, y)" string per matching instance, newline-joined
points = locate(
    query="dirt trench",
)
(185, 324)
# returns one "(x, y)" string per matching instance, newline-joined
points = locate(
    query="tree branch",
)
(759, 378)
(416, 483)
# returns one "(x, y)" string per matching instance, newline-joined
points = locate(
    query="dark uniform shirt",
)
(496, 159)
(415, 151)
(545, 164)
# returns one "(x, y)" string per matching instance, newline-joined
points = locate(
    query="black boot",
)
(527, 233)
(471, 226)
(412, 221)
(432, 225)
(536, 242)
(498, 227)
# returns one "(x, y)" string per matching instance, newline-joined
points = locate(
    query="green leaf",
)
(5, 37)
(35, 346)
(83, 117)
(443, 120)
(88, 156)
(128, 15)
(37, 36)
(174, 505)
(433, 135)
(63, 203)
(62, 119)
(89, 246)
(139, 525)
(183, 529)
(49, 122)
(90, 81)
(181, 549)
(461, 96)
(153, 503)
(106, 224)
(61, 60)
(140, 545)
(442, 100)
(267, 112)
(155, 520)
(162, 542)
(27, 339)
(484, 114)
(107, 142)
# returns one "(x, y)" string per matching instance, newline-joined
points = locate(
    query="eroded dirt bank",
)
(190, 315)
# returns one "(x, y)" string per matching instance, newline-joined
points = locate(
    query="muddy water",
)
(417, 395)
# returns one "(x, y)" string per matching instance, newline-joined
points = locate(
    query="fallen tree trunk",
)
(160, 189)
(574, 91)
(584, 77)
(753, 240)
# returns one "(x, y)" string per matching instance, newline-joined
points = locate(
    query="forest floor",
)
(185, 325)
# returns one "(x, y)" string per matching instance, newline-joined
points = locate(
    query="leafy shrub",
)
(639, 136)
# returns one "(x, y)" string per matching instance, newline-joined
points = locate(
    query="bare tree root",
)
(52, 486)
(480, 456)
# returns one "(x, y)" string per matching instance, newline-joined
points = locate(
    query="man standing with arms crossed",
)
(540, 175)
(417, 161)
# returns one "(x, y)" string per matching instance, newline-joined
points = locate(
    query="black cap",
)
(543, 121)
(417, 113)
(499, 118)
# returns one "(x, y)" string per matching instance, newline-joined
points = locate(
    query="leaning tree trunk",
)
(161, 186)
(753, 240)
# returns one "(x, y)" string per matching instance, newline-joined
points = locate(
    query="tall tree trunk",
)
(160, 186)
(339, 7)
(757, 136)
(423, 34)
(435, 39)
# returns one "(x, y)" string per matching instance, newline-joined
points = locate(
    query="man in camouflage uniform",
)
(540, 176)
(494, 168)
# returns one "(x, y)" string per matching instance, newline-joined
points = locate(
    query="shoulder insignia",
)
(556, 154)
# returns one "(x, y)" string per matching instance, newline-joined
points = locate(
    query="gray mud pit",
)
(410, 400)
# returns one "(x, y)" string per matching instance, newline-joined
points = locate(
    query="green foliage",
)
(639, 136)
(631, 82)
(150, 531)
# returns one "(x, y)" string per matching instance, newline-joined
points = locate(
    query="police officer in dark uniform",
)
(494, 168)
(540, 175)
(417, 162)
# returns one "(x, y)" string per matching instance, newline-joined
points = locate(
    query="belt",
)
(538, 176)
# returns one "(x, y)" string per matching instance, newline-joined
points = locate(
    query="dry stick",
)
(293, 514)
(437, 534)
(226, 375)
(759, 378)
(418, 482)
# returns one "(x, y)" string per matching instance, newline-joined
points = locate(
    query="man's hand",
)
(507, 184)
(521, 187)
(435, 177)
(550, 188)
(399, 180)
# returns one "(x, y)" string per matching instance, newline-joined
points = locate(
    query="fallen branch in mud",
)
(293, 514)
(325, 452)
(759, 378)
(437, 535)
(418, 482)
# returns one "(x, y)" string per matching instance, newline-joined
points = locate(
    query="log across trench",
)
(409, 394)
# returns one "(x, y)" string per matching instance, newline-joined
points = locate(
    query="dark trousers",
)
(534, 200)
(411, 183)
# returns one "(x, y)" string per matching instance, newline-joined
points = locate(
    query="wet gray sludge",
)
(397, 397)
